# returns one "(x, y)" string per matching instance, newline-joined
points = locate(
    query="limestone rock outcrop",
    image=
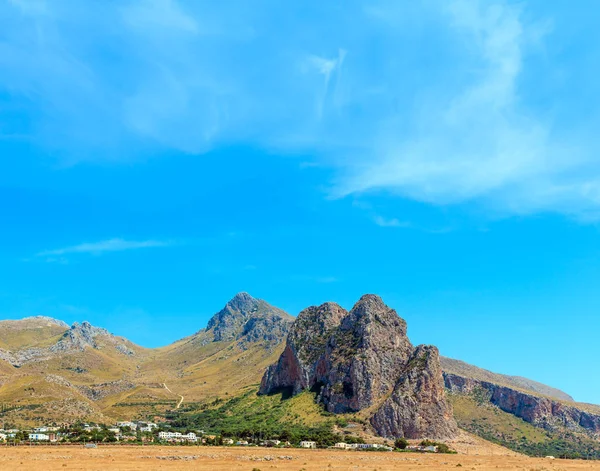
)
(363, 359)
(541, 411)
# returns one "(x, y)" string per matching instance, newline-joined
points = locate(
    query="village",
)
(144, 432)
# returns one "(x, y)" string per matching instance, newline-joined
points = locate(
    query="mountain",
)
(57, 371)
(354, 367)
(232, 352)
(363, 361)
(51, 371)
(40, 338)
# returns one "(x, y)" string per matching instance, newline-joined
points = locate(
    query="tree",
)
(401, 443)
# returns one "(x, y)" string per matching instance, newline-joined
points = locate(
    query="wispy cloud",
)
(389, 222)
(477, 140)
(460, 117)
(97, 248)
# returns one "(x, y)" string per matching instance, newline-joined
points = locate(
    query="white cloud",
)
(97, 248)
(472, 142)
(444, 103)
(392, 222)
(482, 143)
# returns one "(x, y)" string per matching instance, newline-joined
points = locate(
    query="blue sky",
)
(158, 156)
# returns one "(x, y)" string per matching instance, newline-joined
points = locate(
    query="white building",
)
(272, 442)
(177, 436)
(242, 443)
(341, 445)
(149, 427)
(308, 444)
(227, 441)
(3, 437)
(39, 437)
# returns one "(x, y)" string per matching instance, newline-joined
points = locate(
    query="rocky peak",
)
(362, 359)
(371, 320)
(243, 302)
(83, 335)
(312, 328)
(250, 320)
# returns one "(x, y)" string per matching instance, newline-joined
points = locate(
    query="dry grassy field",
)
(114, 458)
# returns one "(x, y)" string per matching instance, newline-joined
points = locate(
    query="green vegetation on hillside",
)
(295, 419)
(489, 422)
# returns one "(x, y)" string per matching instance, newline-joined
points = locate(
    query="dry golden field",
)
(115, 458)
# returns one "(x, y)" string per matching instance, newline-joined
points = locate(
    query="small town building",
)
(272, 442)
(227, 441)
(39, 437)
(147, 427)
(308, 444)
(177, 436)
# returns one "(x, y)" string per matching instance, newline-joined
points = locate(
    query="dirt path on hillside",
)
(179, 395)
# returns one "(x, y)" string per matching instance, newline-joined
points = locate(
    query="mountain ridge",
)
(84, 372)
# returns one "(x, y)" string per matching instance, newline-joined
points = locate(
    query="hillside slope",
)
(52, 372)
(460, 368)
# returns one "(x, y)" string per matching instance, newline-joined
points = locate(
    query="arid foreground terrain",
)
(116, 458)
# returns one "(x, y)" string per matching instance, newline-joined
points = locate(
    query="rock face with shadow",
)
(362, 360)
(542, 411)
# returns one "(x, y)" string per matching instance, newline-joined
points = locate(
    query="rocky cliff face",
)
(306, 343)
(363, 359)
(248, 320)
(460, 368)
(417, 407)
(540, 411)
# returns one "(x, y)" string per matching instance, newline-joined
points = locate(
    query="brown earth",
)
(123, 458)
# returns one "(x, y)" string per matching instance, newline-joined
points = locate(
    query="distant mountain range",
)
(357, 362)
